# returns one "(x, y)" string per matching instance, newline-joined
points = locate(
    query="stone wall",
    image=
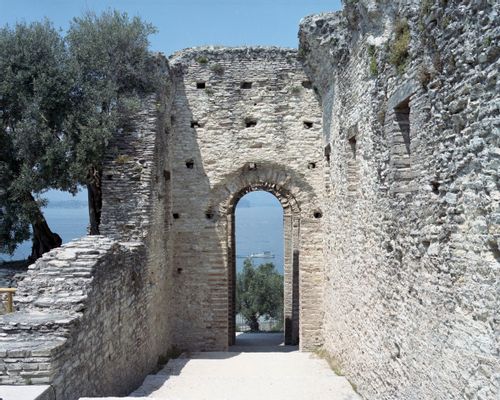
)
(135, 178)
(83, 322)
(412, 214)
(243, 119)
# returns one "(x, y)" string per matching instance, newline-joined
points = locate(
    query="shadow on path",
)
(263, 342)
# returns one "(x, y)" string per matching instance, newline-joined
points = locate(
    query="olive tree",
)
(34, 147)
(61, 102)
(259, 293)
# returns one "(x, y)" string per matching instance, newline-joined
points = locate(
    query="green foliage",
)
(399, 49)
(373, 66)
(445, 21)
(424, 76)
(372, 52)
(487, 41)
(113, 70)
(202, 60)
(259, 292)
(217, 69)
(302, 53)
(296, 90)
(209, 91)
(34, 145)
(122, 159)
(61, 101)
(426, 7)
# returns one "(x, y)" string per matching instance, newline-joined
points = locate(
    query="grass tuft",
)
(202, 60)
(399, 48)
(217, 69)
(122, 159)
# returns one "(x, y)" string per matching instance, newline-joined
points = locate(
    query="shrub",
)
(372, 52)
(399, 49)
(217, 69)
(424, 76)
(201, 60)
(122, 159)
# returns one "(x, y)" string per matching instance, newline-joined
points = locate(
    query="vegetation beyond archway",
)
(259, 266)
(259, 294)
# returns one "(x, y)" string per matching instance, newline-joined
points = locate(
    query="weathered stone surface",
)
(411, 278)
(75, 333)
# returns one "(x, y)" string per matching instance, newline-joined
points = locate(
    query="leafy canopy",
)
(113, 69)
(34, 147)
(259, 293)
(61, 102)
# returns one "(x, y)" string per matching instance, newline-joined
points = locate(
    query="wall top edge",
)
(264, 52)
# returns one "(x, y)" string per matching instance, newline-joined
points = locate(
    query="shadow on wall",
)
(203, 202)
(197, 250)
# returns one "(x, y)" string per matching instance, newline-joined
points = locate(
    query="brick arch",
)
(295, 196)
(289, 187)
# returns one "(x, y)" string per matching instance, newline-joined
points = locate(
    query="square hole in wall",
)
(195, 124)
(201, 85)
(308, 124)
(307, 84)
(246, 85)
(250, 122)
(401, 158)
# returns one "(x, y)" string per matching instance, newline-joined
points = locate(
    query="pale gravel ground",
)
(254, 369)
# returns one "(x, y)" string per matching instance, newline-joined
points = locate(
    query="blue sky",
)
(187, 23)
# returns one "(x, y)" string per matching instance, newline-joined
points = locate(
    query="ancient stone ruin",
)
(380, 138)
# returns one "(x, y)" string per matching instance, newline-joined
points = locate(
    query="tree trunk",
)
(254, 324)
(95, 202)
(44, 239)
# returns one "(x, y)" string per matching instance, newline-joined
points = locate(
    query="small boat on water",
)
(265, 254)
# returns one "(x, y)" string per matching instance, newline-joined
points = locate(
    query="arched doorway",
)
(290, 261)
(259, 268)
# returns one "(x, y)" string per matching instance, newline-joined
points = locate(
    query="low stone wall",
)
(83, 322)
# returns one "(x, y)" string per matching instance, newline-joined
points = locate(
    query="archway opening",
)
(259, 268)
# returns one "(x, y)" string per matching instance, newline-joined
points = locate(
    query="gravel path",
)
(254, 369)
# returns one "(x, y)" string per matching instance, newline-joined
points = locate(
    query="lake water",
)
(259, 226)
(259, 229)
(69, 222)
